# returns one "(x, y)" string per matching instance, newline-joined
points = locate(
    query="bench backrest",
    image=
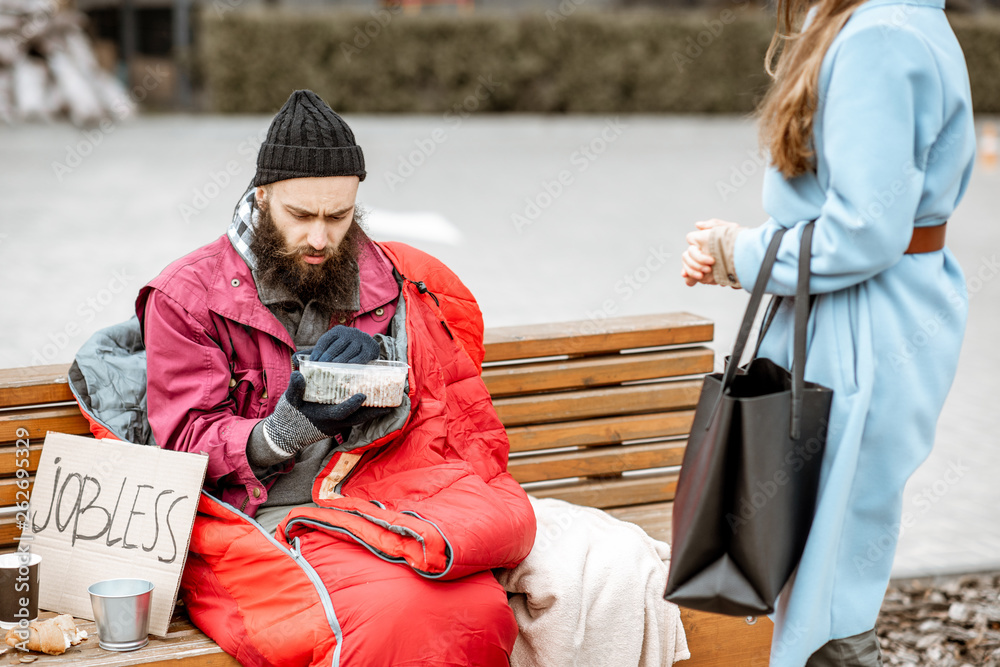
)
(596, 412)
(33, 400)
(604, 424)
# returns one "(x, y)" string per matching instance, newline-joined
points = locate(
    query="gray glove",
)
(345, 345)
(296, 423)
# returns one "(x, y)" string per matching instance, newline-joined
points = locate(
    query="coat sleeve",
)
(190, 409)
(882, 78)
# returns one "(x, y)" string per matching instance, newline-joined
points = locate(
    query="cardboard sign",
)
(104, 509)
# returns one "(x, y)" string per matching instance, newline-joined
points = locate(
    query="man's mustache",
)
(295, 253)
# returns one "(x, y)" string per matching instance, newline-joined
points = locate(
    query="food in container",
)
(382, 382)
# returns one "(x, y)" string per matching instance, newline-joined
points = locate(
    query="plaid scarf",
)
(242, 228)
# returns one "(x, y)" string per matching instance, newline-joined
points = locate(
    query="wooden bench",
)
(596, 412)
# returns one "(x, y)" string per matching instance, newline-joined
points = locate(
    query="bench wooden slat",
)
(64, 418)
(588, 403)
(596, 371)
(601, 431)
(34, 385)
(183, 646)
(8, 458)
(181, 652)
(596, 461)
(589, 337)
(9, 532)
(613, 493)
(726, 640)
(9, 489)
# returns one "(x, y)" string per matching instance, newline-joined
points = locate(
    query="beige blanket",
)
(590, 593)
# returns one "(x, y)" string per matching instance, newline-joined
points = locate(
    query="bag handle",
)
(802, 307)
(756, 296)
(769, 318)
(772, 310)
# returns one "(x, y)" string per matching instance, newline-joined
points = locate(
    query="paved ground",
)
(546, 218)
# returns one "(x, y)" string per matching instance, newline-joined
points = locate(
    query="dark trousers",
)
(858, 651)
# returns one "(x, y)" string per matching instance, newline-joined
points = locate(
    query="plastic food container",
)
(382, 382)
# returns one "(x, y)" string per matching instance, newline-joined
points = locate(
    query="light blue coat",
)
(895, 147)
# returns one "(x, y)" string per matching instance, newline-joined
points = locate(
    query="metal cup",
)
(121, 611)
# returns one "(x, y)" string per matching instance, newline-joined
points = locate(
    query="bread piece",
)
(68, 626)
(52, 636)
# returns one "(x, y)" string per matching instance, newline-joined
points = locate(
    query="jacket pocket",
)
(247, 390)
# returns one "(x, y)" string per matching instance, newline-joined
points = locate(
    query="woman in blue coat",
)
(869, 131)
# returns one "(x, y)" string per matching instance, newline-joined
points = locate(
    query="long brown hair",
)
(786, 112)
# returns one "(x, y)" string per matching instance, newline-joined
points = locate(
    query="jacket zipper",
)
(422, 288)
(310, 572)
(324, 595)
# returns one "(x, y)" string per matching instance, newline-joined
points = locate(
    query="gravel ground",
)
(942, 621)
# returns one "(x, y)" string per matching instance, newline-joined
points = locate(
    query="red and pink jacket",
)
(352, 581)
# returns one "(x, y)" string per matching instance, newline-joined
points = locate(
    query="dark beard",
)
(334, 283)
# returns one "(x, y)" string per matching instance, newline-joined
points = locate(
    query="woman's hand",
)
(697, 260)
(697, 263)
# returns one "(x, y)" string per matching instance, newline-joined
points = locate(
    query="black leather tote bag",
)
(747, 490)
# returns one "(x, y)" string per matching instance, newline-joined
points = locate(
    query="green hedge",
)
(576, 61)
(979, 36)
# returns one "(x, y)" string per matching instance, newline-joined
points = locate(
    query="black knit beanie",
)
(307, 138)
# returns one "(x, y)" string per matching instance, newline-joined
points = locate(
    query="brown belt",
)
(927, 239)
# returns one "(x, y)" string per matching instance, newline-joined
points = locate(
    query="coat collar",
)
(232, 293)
(378, 283)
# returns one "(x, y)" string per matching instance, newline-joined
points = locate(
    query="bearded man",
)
(332, 534)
